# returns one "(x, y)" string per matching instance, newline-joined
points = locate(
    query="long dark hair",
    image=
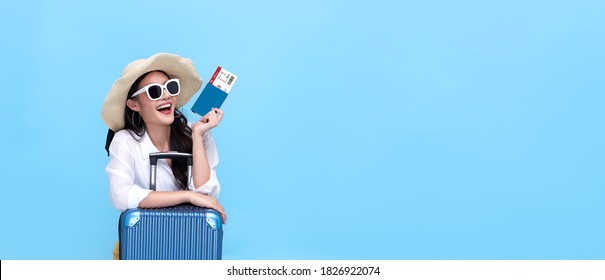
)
(180, 134)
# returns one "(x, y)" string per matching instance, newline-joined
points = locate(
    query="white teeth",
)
(164, 106)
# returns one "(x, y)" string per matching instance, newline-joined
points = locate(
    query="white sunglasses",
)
(155, 90)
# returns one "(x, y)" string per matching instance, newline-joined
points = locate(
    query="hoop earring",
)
(132, 118)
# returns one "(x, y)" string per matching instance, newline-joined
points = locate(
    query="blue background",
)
(356, 130)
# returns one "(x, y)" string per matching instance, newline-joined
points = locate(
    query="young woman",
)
(142, 113)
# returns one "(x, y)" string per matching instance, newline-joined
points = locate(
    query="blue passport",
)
(211, 97)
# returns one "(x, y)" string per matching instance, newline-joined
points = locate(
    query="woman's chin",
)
(165, 120)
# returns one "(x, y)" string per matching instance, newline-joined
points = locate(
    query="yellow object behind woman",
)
(116, 251)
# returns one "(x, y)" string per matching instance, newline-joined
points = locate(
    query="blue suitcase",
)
(182, 232)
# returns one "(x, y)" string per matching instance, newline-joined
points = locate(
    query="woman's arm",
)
(156, 199)
(201, 167)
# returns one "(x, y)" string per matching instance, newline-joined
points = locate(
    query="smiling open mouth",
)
(164, 107)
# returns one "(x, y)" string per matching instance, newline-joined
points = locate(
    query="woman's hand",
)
(203, 200)
(208, 121)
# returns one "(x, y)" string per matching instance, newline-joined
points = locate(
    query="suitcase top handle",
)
(153, 157)
(153, 160)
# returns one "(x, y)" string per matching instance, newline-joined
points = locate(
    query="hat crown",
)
(132, 66)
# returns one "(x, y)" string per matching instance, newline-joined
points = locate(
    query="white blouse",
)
(128, 170)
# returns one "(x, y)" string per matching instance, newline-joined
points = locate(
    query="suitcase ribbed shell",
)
(183, 232)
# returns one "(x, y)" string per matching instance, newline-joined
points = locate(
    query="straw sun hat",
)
(175, 66)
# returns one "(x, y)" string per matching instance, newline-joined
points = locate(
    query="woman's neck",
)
(160, 137)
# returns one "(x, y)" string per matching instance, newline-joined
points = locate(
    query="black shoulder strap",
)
(110, 135)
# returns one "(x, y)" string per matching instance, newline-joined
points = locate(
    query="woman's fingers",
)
(223, 215)
(211, 120)
(219, 113)
(203, 200)
(204, 119)
(220, 210)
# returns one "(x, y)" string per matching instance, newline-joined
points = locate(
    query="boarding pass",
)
(223, 79)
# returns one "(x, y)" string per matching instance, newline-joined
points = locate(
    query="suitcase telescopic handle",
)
(153, 160)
